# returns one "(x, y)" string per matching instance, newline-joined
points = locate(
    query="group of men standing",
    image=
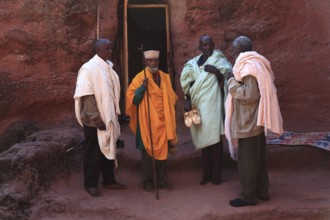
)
(238, 102)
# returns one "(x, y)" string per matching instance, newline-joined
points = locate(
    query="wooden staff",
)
(152, 145)
(97, 20)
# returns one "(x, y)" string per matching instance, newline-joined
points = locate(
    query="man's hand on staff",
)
(145, 83)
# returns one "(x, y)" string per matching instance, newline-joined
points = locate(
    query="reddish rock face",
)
(293, 35)
(44, 43)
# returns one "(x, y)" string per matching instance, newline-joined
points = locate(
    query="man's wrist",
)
(230, 79)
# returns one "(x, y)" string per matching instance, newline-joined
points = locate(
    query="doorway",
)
(145, 23)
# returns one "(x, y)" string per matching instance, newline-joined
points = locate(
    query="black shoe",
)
(216, 182)
(164, 186)
(148, 187)
(204, 182)
(239, 203)
(94, 192)
(115, 186)
(264, 198)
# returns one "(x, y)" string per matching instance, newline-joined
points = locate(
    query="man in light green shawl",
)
(203, 83)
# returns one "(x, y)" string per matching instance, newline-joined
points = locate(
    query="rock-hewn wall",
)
(293, 35)
(43, 43)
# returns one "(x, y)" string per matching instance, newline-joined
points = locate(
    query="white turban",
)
(151, 54)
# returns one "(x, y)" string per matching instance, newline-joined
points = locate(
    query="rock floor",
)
(298, 191)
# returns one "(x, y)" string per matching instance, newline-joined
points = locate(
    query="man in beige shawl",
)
(252, 110)
(203, 83)
(97, 98)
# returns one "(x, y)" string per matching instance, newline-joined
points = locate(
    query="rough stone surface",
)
(40, 180)
(29, 167)
(43, 44)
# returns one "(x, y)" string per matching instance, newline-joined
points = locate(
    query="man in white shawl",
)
(203, 84)
(252, 110)
(97, 98)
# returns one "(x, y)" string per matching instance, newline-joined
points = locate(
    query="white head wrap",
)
(151, 54)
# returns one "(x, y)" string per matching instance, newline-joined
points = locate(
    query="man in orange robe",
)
(151, 95)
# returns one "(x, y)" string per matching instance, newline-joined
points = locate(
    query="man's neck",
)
(156, 78)
(202, 60)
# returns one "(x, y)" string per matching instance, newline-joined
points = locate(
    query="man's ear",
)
(97, 50)
(200, 47)
(145, 62)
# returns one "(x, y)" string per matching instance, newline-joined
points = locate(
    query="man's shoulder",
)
(138, 78)
(164, 73)
(139, 74)
(192, 61)
(88, 63)
(195, 58)
(219, 53)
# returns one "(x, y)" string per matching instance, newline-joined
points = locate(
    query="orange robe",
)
(162, 102)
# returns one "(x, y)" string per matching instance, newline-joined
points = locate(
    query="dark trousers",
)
(212, 162)
(147, 170)
(95, 162)
(252, 167)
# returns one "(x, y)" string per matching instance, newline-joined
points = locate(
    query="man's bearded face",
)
(206, 45)
(152, 65)
(153, 69)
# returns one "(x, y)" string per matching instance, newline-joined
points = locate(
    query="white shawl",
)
(96, 77)
(269, 114)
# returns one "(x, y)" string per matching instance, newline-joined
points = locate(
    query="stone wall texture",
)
(44, 43)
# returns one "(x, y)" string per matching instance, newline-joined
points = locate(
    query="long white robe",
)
(96, 77)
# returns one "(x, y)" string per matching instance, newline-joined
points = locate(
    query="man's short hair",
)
(205, 36)
(100, 42)
(242, 43)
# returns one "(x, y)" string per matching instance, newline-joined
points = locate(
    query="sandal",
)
(196, 117)
(172, 150)
(188, 119)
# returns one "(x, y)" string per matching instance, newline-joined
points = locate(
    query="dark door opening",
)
(146, 26)
(145, 22)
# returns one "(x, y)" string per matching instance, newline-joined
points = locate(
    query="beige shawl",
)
(269, 114)
(96, 77)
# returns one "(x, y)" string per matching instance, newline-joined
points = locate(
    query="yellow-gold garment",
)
(162, 100)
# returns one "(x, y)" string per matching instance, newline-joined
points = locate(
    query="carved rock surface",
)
(28, 168)
(44, 43)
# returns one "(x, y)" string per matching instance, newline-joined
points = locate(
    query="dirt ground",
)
(299, 189)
